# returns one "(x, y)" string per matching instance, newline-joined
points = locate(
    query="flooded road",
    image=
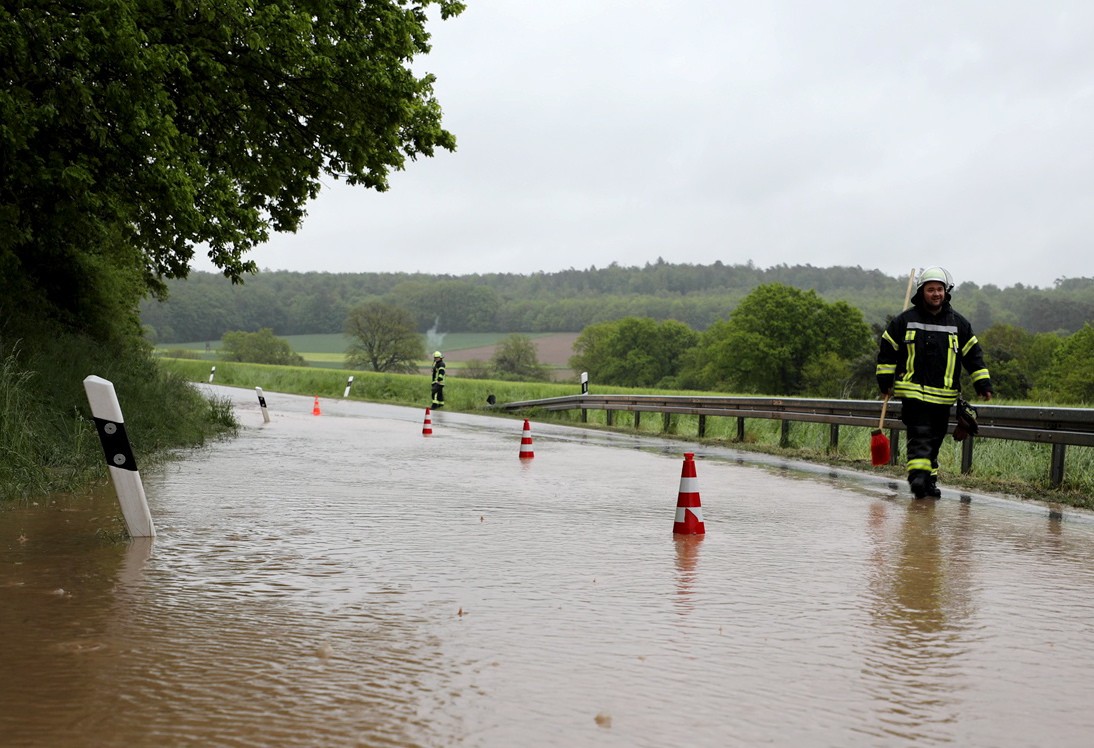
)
(343, 580)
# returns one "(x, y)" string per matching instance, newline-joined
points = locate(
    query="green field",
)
(328, 350)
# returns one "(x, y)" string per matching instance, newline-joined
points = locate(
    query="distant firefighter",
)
(438, 379)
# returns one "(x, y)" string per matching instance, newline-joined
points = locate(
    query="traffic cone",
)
(689, 512)
(315, 408)
(427, 426)
(526, 452)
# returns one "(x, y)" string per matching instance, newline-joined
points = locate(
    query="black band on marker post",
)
(115, 443)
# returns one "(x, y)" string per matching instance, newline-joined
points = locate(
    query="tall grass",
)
(1018, 468)
(48, 441)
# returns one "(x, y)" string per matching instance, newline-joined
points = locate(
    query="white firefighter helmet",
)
(934, 273)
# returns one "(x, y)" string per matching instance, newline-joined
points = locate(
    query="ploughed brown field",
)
(552, 350)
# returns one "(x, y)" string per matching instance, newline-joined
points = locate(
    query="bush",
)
(262, 347)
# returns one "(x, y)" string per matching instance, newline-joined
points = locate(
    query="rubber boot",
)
(933, 491)
(918, 482)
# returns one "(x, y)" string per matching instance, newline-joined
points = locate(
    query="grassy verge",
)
(48, 441)
(467, 395)
(1015, 468)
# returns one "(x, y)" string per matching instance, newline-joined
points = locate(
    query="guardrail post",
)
(666, 423)
(966, 454)
(784, 435)
(740, 429)
(584, 415)
(894, 446)
(637, 419)
(833, 437)
(609, 417)
(702, 424)
(1056, 467)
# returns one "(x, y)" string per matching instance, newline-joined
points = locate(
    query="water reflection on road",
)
(344, 580)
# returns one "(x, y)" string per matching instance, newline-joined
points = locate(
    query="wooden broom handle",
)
(908, 291)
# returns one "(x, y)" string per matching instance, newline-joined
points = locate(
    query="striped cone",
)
(526, 452)
(427, 426)
(315, 408)
(689, 512)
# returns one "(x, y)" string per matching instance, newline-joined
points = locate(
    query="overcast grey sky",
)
(876, 133)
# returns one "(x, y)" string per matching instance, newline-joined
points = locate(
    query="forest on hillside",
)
(204, 306)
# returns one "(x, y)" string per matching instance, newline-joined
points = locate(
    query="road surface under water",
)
(344, 580)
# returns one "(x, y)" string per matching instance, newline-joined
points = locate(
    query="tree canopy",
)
(384, 338)
(779, 340)
(633, 351)
(1070, 377)
(133, 133)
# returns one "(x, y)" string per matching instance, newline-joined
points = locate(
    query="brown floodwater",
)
(343, 580)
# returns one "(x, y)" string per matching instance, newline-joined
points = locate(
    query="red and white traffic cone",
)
(526, 452)
(315, 408)
(427, 426)
(689, 511)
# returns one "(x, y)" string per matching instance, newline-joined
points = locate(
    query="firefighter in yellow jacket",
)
(921, 355)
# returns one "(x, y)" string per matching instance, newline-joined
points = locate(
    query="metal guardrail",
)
(1059, 427)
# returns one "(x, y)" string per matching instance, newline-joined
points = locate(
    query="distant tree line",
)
(205, 306)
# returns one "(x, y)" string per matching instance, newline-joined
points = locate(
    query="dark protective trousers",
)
(927, 424)
(438, 395)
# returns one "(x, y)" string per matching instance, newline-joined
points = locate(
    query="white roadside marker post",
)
(262, 404)
(349, 383)
(107, 413)
(212, 373)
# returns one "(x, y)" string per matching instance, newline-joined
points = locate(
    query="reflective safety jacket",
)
(438, 371)
(921, 354)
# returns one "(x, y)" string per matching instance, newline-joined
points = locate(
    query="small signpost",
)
(107, 414)
(262, 404)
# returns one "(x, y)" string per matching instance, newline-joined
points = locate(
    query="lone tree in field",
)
(384, 338)
(515, 358)
(133, 133)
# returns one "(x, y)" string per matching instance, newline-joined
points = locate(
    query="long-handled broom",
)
(879, 443)
(880, 451)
